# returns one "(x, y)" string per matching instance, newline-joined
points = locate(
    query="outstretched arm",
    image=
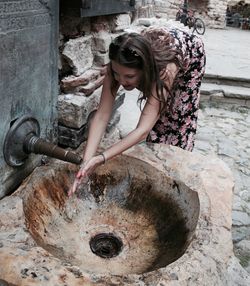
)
(148, 118)
(97, 129)
(100, 120)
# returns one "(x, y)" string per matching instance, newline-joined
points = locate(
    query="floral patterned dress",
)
(178, 126)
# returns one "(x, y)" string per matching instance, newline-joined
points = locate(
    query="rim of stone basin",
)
(211, 246)
(153, 216)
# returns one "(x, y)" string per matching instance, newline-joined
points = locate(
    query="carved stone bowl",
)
(127, 218)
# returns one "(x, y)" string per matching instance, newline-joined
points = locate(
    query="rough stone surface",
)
(120, 22)
(132, 201)
(73, 110)
(92, 86)
(212, 12)
(73, 53)
(208, 258)
(101, 58)
(223, 130)
(68, 84)
(71, 137)
(226, 132)
(101, 41)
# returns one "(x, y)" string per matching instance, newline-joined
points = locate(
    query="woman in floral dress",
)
(177, 126)
(167, 66)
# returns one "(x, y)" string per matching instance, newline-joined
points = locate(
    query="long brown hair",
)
(149, 52)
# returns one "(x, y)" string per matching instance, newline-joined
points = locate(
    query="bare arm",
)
(100, 120)
(146, 122)
(148, 118)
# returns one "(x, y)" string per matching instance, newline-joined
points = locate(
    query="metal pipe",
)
(34, 144)
(23, 139)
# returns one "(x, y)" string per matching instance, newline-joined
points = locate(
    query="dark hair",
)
(144, 52)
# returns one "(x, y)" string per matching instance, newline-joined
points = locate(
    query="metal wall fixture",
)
(23, 138)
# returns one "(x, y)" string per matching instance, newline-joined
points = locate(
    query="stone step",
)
(222, 80)
(227, 91)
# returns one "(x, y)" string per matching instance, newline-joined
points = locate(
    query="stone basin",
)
(163, 218)
(128, 218)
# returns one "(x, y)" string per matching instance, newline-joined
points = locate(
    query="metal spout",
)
(23, 139)
(34, 144)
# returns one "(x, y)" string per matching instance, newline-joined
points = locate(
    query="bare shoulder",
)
(172, 68)
(169, 73)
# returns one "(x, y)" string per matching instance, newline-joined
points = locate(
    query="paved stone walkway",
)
(224, 128)
(225, 133)
(228, 52)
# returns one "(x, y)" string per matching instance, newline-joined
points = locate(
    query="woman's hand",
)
(86, 169)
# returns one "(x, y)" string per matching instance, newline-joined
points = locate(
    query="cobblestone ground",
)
(225, 132)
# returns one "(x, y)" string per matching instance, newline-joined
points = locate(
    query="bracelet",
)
(104, 158)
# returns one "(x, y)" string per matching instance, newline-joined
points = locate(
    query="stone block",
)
(102, 69)
(120, 22)
(101, 59)
(101, 41)
(92, 86)
(146, 12)
(99, 24)
(71, 137)
(69, 83)
(78, 54)
(162, 4)
(73, 110)
(73, 26)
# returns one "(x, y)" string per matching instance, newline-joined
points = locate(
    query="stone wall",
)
(212, 12)
(216, 14)
(234, 2)
(84, 44)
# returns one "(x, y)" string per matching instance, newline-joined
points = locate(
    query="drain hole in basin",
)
(106, 245)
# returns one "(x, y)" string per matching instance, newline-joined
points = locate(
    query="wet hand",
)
(86, 169)
(75, 186)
